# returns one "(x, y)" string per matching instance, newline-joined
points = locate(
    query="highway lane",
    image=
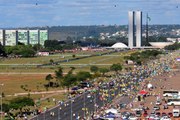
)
(75, 107)
(70, 111)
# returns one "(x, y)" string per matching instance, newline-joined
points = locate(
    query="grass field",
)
(15, 73)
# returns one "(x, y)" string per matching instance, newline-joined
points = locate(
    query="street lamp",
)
(59, 115)
(84, 105)
(71, 109)
(1, 99)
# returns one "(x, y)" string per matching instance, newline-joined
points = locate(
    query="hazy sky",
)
(21, 13)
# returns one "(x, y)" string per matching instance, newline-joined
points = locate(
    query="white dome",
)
(160, 44)
(119, 45)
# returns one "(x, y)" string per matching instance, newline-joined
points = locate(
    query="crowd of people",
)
(131, 82)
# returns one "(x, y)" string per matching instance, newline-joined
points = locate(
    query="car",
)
(158, 113)
(156, 108)
(138, 113)
(165, 118)
(158, 102)
(164, 114)
(170, 114)
(145, 114)
(153, 117)
(133, 118)
(89, 96)
(125, 115)
(153, 113)
(75, 88)
(165, 106)
(85, 85)
(122, 105)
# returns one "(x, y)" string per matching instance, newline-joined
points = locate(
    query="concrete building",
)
(10, 37)
(135, 17)
(131, 29)
(138, 15)
(33, 37)
(2, 41)
(43, 36)
(23, 36)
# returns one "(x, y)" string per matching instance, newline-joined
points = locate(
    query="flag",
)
(148, 18)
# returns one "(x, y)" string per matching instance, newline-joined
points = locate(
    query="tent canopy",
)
(111, 111)
(143, 92)
(149, 85)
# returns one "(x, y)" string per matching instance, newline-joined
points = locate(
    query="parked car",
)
(145, 114)
(165, 118)
(158, 113)
(164, 114)
(158, 102)
(156, 108)
(165, 106)
(170, 114)
(132, 117)
(138, 113)
(85, 85)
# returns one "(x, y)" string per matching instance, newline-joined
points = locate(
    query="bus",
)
(173, 102)
(170, 93)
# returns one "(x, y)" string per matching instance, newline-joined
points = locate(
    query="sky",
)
(31, 13)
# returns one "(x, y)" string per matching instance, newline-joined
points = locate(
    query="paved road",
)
(83, 105)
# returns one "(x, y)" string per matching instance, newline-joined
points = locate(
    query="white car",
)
(165, 118)
(133, 118)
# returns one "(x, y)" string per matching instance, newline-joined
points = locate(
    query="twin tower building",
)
(135, 29)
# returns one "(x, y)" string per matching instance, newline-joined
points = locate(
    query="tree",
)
(71, 70)
(48, 78)
(2, 51)
(69, 80)
(20, 102)
(82, 75)
(116, 67)
(94, 69)
(21, 50)
(51, 61)
(103, 70)
(37, 47)
(73, 55)
(59, 75)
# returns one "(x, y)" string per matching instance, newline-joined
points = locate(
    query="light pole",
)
(84, 105)
(1, 99)
(71, 109)
(59, 115)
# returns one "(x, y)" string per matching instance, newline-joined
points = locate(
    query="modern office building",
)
(2, 37)
(131, 29)
(10, 37)
(33, 37)
(23, 36)
(135, 17)
(138, 15)
(43, 36)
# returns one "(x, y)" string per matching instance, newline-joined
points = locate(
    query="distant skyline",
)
(32, 13)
